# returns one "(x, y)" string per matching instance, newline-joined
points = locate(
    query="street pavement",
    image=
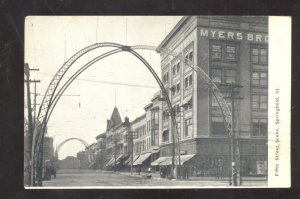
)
(82, 178)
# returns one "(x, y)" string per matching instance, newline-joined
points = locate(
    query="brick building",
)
(232, 50)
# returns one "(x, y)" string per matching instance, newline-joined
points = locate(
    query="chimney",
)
(108, 124)
(126, 121)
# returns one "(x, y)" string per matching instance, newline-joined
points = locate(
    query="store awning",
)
(110, 162)
(158, 161)
(141, 159)
(118, 159)
(127, 160)
(184, 158)
(165, 161)
(186, 101)
(135, 157)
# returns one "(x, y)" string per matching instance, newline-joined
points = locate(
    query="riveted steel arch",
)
(50, 99)
(69, 139)
(226, 113)
(56, 80)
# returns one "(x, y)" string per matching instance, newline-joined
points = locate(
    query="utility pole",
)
(131, 136)
(233, 147)
(115, 142)
(35, 95)
(30, 122)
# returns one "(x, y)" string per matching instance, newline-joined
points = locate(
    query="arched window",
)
(165, 136)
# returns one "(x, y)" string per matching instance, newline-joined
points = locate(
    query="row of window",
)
(259, 78)
(142, 146)
(176, 69)
(260, 101)
(188, 128)
(228, 52)
(223, 75)
(188, 58)
(188, 81)
(227, 76)
(176, 89)
(259, 55)
(223, 52)
(259, 126)
(141, 131)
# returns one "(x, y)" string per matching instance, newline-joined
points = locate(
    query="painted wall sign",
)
(234, 35)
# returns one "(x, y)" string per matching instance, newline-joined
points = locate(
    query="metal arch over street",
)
(48, 97)
(226, 113)
(69, 139)
(48, 100)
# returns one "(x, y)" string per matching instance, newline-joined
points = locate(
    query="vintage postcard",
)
(156, 102)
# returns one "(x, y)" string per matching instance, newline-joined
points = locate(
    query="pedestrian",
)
(149, 175)
(219, 169)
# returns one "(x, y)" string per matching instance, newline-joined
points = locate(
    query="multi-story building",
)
(115, 142)
(233, 51)
(82, 159)
(48, 149)
(146, 130)
(100, 153)
(91, 155)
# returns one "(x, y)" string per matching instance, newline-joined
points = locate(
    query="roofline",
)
(148, 106)
(101, 135)
(169, 36)
(185, 18)
(118, 126)
(138, 118)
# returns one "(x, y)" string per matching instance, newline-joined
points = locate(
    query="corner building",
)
(233, 51)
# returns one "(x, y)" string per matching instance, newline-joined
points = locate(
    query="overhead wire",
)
(111, 82)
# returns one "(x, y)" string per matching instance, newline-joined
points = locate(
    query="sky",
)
(119, 80)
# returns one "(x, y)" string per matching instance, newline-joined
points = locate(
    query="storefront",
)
(142, 163)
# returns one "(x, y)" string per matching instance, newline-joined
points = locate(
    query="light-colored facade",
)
(231, 50)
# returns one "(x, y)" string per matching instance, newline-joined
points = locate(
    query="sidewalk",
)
(156, 176)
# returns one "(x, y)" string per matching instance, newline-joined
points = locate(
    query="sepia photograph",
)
(156, 102)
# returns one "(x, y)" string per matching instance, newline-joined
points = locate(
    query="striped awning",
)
(141, 159)
(135, 157)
